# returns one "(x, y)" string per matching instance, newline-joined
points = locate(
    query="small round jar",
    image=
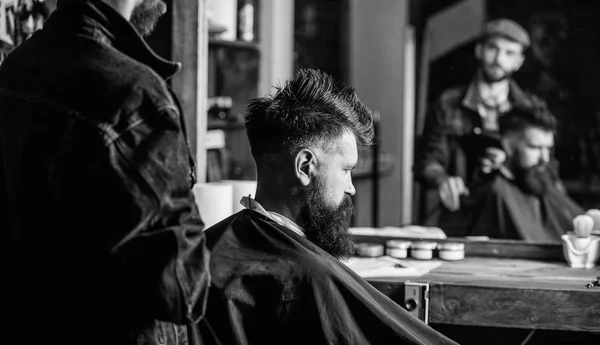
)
(370, 250)
(397, 248)
(422, 250)
(451, 251)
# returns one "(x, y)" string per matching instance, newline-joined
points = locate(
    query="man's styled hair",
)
(535, 115)
(310, 110)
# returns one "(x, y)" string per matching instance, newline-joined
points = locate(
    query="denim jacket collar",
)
(472, 99)
(99, 21)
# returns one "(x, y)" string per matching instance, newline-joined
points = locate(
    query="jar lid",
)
(424, 245)
(399, 244)
(369, 249)
(455, 246)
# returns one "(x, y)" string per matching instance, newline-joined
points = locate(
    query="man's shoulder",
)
(524, 97)
(251, 253)
(87, 77)
(111, 75)
(502, 189)
(453, 95)
(252, 232)
(258, 238)
(120, 88)
(113, 68)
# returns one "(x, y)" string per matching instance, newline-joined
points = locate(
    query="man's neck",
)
(494, 92)
(283, 205)
(254, 205)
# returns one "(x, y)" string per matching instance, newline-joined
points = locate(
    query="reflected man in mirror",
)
(522, 196)
(463, 121)
(276, 274)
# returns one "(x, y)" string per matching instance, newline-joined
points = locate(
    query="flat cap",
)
(508, 29)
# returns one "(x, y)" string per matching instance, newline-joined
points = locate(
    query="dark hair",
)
(312, 109)
(535, 114)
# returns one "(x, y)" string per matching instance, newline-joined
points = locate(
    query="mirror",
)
(560, 68)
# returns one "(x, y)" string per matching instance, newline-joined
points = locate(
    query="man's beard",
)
(535, 180)
(145, 16)
(327, 226)
(488, 78)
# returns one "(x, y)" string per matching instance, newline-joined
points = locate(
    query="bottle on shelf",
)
(219, 107)
(222, 19)
(246, 20)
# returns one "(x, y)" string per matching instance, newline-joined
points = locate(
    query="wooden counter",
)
(496, 291)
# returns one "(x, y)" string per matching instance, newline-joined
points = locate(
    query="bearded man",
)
(102, 242)
(276, 274)
(463, 121)
(522, 197)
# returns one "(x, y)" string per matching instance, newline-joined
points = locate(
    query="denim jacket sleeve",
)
(433, 155)
(137, 178)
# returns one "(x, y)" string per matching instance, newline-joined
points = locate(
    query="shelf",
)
(580, 187)
(215, 42)
(364, 168)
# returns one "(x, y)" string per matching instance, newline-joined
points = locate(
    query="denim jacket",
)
(101, 236)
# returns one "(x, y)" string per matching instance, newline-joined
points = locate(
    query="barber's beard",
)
(145, 16)
(327, 226)
(534, 180)
(493, 79)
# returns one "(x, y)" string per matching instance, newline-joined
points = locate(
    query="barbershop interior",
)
(477, 206)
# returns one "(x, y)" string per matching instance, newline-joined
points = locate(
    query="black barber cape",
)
(273, 286)
(498, 208)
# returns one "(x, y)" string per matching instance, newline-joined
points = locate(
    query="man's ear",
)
(304, 166)
(478, 51)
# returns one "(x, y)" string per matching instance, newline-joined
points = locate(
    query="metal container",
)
(451, 251)
(371, 250)
(422, 250)
(397, 248)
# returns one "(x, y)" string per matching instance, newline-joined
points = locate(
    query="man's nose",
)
(499, 57)
(350, 190)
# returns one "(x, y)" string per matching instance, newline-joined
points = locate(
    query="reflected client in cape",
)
(521, 196)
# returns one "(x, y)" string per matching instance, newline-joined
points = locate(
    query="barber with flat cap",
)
(460, 139)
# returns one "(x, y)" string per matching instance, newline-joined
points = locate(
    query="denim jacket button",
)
(477, 130)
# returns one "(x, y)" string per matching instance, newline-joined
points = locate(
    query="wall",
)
(376, 44)
(276, 43)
